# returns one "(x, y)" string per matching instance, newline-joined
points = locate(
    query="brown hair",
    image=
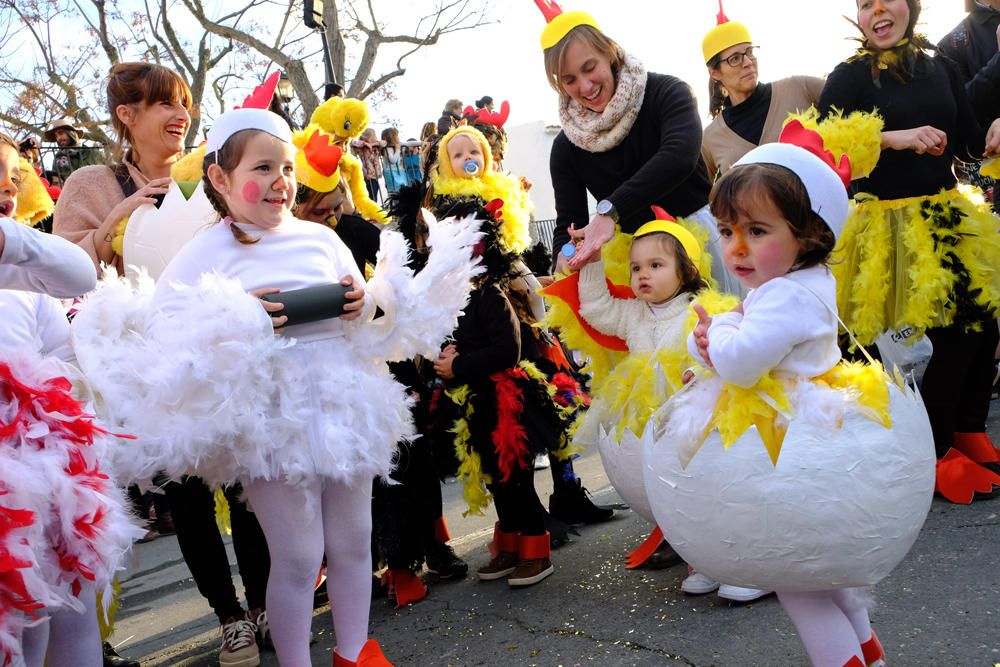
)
(716, 91)
(690, 278)
(306, 199)
(496, 137)
(748, 185)
(428, 130)
(227, 158)
(390, 136)
(141, 83)
(592, 37)
(6, 140)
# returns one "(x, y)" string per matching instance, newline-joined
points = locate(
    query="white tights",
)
(832, 624)
(341, 523)
(67, 638)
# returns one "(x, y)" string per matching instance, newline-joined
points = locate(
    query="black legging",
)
(192, 505)
(958, 382)
(518, 507)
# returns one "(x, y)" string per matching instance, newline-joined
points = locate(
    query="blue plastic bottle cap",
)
(568, 250)
(471, 167)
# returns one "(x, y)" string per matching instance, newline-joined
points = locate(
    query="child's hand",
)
(701, 333)
(687, 377)
(276, 321)
(355, 300)
(442, 365)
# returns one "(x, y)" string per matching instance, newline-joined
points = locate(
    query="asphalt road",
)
(940, 607)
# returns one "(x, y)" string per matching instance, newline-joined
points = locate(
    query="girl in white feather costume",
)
(304, 419)
(64, 526)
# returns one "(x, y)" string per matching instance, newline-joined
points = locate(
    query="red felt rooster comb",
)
(796, 134)
(559, 23)
(664, 223)
(262, 95)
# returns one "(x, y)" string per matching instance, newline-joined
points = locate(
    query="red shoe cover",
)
(855, 661)
(977, 446)
(872, 649)
(441, 533)
(502, 541)
(959, 477)
(371, 656)
(533, 547)
(407, 587)
(644, 550)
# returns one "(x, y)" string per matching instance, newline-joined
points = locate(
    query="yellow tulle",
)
(990, 168)
(106, 613)
(898, 263)
(514, 229)
(638, 386)
(858, 135)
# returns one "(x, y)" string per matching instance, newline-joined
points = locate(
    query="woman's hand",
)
(701, 333)
(144, 195)
(595, 235)
(443, 364)
(355, 300)
(271, 307)
(993, 140)
(920, 140)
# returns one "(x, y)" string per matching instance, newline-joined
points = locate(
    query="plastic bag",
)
(906, 350)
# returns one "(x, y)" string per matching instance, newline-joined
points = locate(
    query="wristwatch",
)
(605, 207)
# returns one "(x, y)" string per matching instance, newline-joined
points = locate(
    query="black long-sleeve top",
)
(658, 162)
(935, 96)
(487, 337)
(973, 47)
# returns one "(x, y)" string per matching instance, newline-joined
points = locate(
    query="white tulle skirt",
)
(842, 507)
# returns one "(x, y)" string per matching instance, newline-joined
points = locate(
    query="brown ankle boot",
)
(534, 552)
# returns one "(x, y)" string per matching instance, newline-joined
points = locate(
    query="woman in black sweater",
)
(917, 252)
(630, 138)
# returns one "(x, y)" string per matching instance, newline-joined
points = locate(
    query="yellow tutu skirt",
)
(920, 262)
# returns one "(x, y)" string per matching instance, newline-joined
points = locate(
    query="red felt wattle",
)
(322, 156)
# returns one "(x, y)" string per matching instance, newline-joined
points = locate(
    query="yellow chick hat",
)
(317, 162)
(444, 164)
(666, 224)
(559, 23)
(727, 33)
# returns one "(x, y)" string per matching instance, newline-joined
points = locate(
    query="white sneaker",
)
(542, 462)
(740, 594)
(698, 584)
(239, 644)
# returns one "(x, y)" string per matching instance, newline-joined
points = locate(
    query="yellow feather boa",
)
(470, 465)
(859, 136)
(514, 229)
(896, 264)
(766, 404)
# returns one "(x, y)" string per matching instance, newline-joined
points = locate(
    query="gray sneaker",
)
(239, 644)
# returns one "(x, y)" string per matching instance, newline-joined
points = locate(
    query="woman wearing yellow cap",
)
(630, 138)
(746, 113)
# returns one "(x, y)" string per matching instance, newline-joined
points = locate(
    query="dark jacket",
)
(658, 162)
(487, 338)
(973, 46)
(447, 121)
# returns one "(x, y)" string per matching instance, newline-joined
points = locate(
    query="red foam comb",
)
(721, 17)
(796, 134)
(262, 95)
(660, 214)
(549, 9)
(495, 118)
(320, 155)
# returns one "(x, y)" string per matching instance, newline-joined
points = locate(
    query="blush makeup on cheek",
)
(251, 192)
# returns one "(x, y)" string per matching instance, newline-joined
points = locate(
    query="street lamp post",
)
(314, 19)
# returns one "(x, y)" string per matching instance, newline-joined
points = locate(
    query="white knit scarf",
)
(599, 132)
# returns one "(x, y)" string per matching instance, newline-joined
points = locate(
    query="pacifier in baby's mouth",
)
(471, 167)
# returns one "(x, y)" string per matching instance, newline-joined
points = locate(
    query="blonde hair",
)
(590, 36)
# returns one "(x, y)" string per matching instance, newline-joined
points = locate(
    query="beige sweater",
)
(721, 147)
(87, 198)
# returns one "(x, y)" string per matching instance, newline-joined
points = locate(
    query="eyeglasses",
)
(736, 59)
